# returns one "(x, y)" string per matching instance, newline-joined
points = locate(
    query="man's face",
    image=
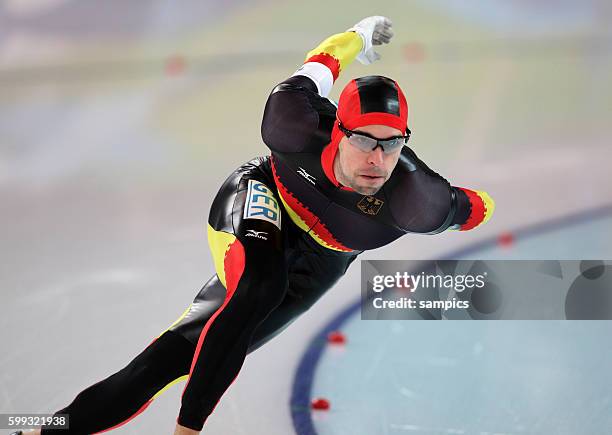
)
(366, 171)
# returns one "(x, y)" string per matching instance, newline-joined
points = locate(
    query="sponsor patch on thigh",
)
(261, 204)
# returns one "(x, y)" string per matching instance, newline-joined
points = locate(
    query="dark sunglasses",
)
(366, 142)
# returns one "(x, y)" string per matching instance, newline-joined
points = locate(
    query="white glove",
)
(375, 30)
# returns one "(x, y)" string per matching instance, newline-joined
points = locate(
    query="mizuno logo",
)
(257, 234)
(306, 175)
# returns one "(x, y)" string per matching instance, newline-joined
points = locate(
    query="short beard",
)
(363, 190)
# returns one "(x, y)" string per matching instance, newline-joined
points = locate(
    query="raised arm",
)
(297, 106)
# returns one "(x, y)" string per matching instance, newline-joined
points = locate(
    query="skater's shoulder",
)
(296, 118)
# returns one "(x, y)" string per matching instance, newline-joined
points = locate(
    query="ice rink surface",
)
(508, 377)
(118, 124)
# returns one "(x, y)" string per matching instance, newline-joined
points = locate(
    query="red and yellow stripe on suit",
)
(336, 52)
(482, 207)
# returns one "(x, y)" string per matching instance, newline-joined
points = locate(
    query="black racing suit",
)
(282, 231)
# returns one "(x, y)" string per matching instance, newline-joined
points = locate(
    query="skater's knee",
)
(167, 358)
